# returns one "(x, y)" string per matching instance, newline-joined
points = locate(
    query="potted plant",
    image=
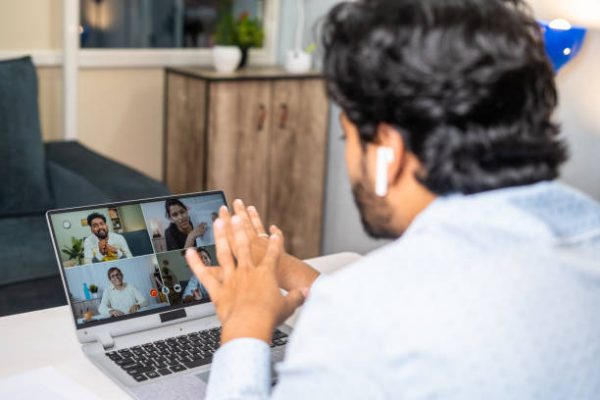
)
(233, 38)
(75, 252)
(94, 291)
(249, 33)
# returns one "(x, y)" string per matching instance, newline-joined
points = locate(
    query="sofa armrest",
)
(117, 181)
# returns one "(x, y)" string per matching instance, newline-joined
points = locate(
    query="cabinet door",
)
(297, 163)
(184, 137)
(238, 138)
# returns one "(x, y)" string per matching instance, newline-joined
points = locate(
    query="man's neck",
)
(409, 196)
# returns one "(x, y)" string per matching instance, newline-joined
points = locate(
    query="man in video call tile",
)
(103, 245)
(120, 298)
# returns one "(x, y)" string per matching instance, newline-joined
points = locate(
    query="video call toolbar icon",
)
(153, 293)
(165, 290)
(177, 288)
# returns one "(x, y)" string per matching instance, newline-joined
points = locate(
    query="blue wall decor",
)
(563, 41)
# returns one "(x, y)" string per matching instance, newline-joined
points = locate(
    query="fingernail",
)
(251, 208)
(218, 223)
(224, 208)
(238, 201)
(236, 219)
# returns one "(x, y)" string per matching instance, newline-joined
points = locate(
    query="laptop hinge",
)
(106, 340)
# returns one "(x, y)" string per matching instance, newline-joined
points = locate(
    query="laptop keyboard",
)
(176, 354)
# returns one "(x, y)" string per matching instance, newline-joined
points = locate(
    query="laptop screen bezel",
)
(167, 309)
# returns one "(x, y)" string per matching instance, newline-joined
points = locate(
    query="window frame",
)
(141, 58)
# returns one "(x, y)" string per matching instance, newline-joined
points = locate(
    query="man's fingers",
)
(274, 251)
(226, 218)
(274, 230)
(240, 210)
(242, 242)
(224, 255)
(199, 269)
(257, 223)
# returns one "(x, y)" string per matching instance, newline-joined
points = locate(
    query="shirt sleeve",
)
(125, 248)
(241, 370)
(320, 363)
(87, 250)
(104, 307)
(190, 287)
(139, 297)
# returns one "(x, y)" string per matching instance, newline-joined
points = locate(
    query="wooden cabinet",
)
(259, 135)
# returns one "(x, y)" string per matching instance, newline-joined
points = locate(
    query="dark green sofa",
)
(35, 177)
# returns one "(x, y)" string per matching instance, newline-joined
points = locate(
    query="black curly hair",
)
(93, 216)
(466, 82)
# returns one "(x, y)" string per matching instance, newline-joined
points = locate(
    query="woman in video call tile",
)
(181, 234)
(194, 289)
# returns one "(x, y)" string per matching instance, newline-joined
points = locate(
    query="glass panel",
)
(155, 23)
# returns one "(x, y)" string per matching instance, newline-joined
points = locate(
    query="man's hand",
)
(198, 231)
(102, 244)
(247, 298)
(291, 272)
(116, 313)
(111, 250)
(134, 308)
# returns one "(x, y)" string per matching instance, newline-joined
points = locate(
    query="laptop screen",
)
(126, 259)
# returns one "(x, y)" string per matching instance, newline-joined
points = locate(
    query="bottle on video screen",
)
(86, 292)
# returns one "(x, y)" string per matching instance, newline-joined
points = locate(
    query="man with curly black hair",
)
(491, 289)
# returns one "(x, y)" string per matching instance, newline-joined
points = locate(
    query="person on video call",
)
(103, 245)
(181, 234)
(194, 290)
(491, 287)
(120, 298)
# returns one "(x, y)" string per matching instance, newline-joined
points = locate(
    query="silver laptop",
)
(139, 313)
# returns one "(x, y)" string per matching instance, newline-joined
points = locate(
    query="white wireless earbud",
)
(385, 155)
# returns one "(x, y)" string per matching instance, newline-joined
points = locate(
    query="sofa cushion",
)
(70, 189)
(116, 180)
(24, 187)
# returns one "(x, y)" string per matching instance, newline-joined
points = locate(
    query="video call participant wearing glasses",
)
(103, 245)
(120, 298)
(491, 287)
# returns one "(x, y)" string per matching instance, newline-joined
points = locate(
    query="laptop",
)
(139, 313)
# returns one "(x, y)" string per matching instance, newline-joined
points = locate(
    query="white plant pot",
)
(297, 61)
(226, 58)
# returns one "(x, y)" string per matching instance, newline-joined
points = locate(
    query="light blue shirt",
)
(192, 285)
(487, 296)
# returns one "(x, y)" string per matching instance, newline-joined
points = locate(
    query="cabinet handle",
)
(262, 116)
(284, 116)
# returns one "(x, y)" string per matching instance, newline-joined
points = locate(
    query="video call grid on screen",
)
(142, 245)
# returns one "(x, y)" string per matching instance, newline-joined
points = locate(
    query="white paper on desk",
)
(43, 383)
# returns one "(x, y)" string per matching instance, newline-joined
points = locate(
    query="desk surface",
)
(47, 338)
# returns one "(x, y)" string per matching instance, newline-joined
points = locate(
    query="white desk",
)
(47, 338)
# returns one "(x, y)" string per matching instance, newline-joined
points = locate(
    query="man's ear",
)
(389, 137)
